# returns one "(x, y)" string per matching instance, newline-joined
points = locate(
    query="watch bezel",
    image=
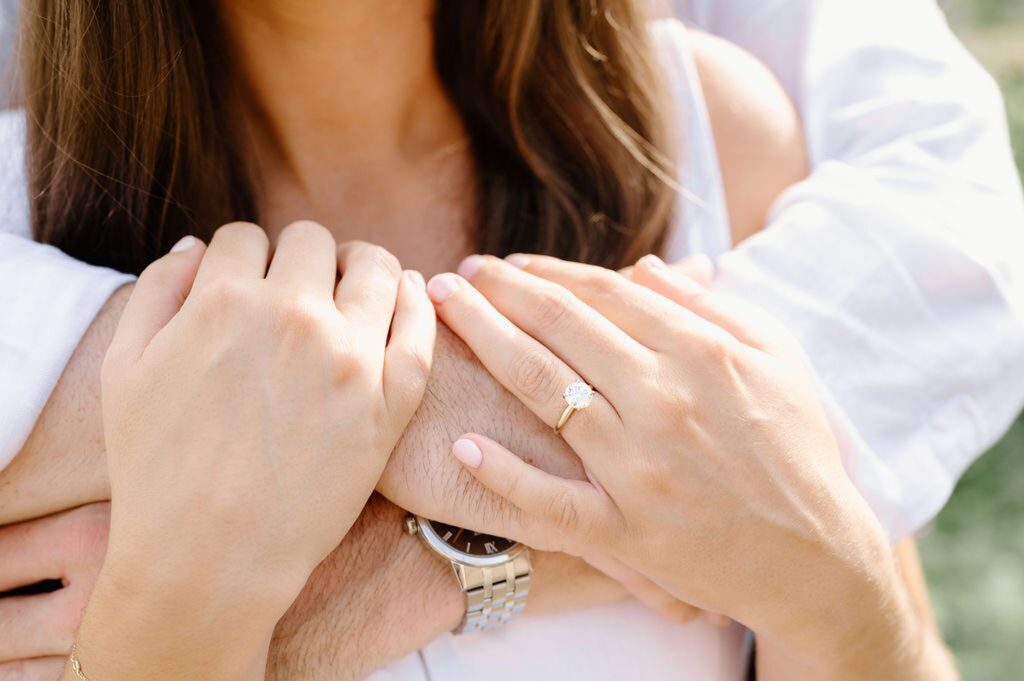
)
(434, 541)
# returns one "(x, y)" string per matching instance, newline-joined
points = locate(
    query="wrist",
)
(167, 575)
(866, 626)
(134, 628)
(380, 596)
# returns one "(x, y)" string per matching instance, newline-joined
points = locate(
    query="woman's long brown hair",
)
(130, 146)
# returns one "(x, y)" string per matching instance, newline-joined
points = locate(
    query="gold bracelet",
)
(76, 666)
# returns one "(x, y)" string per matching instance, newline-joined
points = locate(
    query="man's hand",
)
(344, 625)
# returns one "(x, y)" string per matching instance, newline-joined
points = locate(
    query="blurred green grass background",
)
(974, 552)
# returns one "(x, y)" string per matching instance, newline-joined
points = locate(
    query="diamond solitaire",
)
(578, 395)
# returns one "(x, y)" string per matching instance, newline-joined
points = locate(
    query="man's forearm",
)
(376, 598)
(359, 604)
(462, 397)
(63, 465)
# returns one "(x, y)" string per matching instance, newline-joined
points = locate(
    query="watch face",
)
(468, 541)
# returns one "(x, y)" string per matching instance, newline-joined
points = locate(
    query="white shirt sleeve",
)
(47, 301)
(900, 262)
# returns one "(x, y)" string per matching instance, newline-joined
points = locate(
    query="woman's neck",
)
(342, 99)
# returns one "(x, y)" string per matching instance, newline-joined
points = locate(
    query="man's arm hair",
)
(62, 465)
(380, 594)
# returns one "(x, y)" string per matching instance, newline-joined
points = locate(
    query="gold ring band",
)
(564, 418)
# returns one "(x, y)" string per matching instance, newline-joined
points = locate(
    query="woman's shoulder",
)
(14, 208)
(756, 128)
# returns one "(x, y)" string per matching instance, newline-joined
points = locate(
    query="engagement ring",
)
(578, 395)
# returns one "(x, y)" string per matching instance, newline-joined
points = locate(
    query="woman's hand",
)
(246, 426)
(712, 470)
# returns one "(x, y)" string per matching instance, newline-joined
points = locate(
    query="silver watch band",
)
(494, 595)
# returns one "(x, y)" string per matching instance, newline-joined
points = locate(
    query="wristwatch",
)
(493, 573)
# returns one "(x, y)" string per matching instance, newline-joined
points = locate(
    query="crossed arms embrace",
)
(703, 476)
(300, 645)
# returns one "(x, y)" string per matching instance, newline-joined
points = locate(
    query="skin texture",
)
(330, 378)
(368, 587)
(705, 434)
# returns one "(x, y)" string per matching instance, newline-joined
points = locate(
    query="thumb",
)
(158, 295)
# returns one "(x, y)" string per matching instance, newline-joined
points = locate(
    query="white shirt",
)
(897, 264)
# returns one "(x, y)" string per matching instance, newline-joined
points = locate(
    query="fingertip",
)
(441, 287)
(648, 273)
(468, 267)
(416, 279)
(184, 244)
(520, 260)
(468, 452)
(187, 251)
(650, 262)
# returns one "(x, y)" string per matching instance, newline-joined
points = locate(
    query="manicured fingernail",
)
(442, 287)
(652, 261)
(184, 244)
(518, 260)
(469, 266)
(468, 453)
(415, 278)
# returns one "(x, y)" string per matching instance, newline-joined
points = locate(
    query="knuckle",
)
(652, 476)
(157, 273)
(495, 511)
(716, 349)
(350, 368)
(553, 306)
(307, 231)
(676, 400)
(298, 315)
(684, 408)
(419, 363)
(512, 486)
(563, 510)
(603, 285)
(385, 261)
(533, 374)
(224, 294)
(243, 231)
(163, 275)
(411, 382)
(379, 256)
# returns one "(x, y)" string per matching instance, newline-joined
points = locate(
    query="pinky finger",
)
(571, 508)
(410, 350)
(35, 669)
